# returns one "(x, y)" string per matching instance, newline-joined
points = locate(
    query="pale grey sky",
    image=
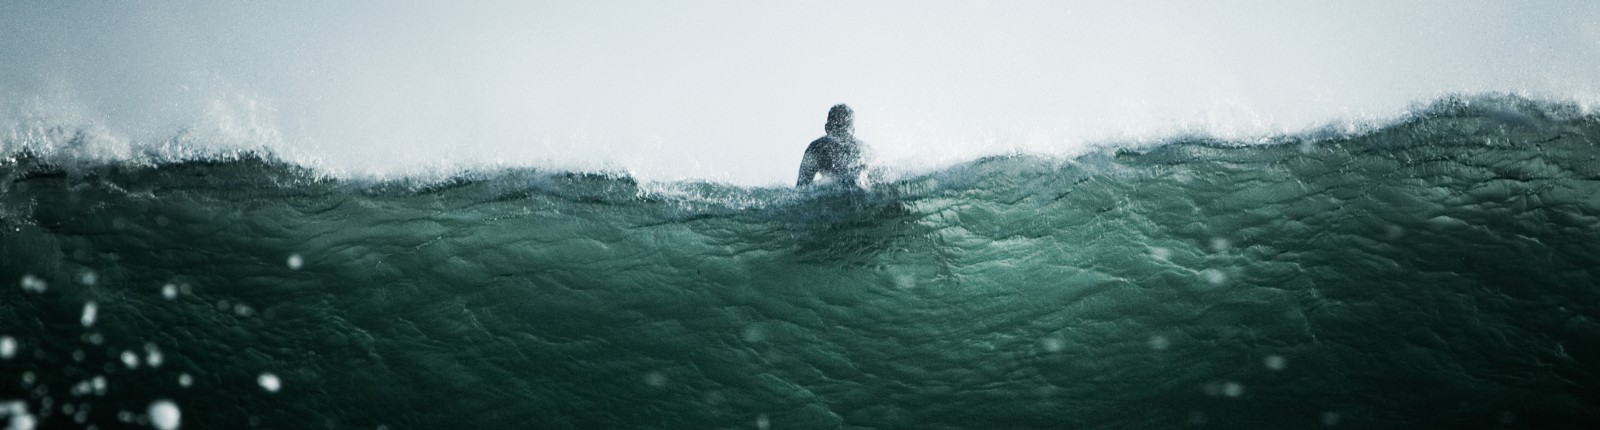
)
(733, 90)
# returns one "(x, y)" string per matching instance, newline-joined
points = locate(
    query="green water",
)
(1439, 272)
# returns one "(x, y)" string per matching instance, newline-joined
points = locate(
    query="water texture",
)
(1438, 272)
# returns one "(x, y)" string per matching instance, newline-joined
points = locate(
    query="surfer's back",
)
(838, 154)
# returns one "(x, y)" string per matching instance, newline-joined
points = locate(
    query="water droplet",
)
(656, 379)
(14, 407)
(33, 284)
(22, 421)
(904, 281)
(169, 291)
(1331, 419)
(753, 333)
(184, 380)
(1276, 362)
(8, 347)
(130, 359)
(89, 278)
(153, 355)
(1219, 245)
(762, 422)
(1160, 253)
(89, 312)
(1393, 232)
(164, 415)
(99, 383)
(1214, 276)
(1159, 342)
(269, 382)
(1052, 344)
(1232, 389)
(295, 261)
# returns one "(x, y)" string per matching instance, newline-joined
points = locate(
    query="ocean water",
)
(1440, 271)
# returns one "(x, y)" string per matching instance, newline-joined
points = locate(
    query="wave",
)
(70, 145)
(1382, 277)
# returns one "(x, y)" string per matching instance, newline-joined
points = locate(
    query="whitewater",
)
(1438, 271)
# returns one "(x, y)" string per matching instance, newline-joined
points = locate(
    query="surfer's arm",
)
(808, 168)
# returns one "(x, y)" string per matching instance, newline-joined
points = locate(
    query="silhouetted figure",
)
(836, 155)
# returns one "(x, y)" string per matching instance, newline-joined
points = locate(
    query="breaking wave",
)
(1439, 271)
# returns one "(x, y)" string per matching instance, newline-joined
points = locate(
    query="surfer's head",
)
(841, 121)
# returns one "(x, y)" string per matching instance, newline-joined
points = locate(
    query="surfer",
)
(837, 155)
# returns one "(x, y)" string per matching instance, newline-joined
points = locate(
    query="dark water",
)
(1439, 272)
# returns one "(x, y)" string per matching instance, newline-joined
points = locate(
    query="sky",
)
(732, 91)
